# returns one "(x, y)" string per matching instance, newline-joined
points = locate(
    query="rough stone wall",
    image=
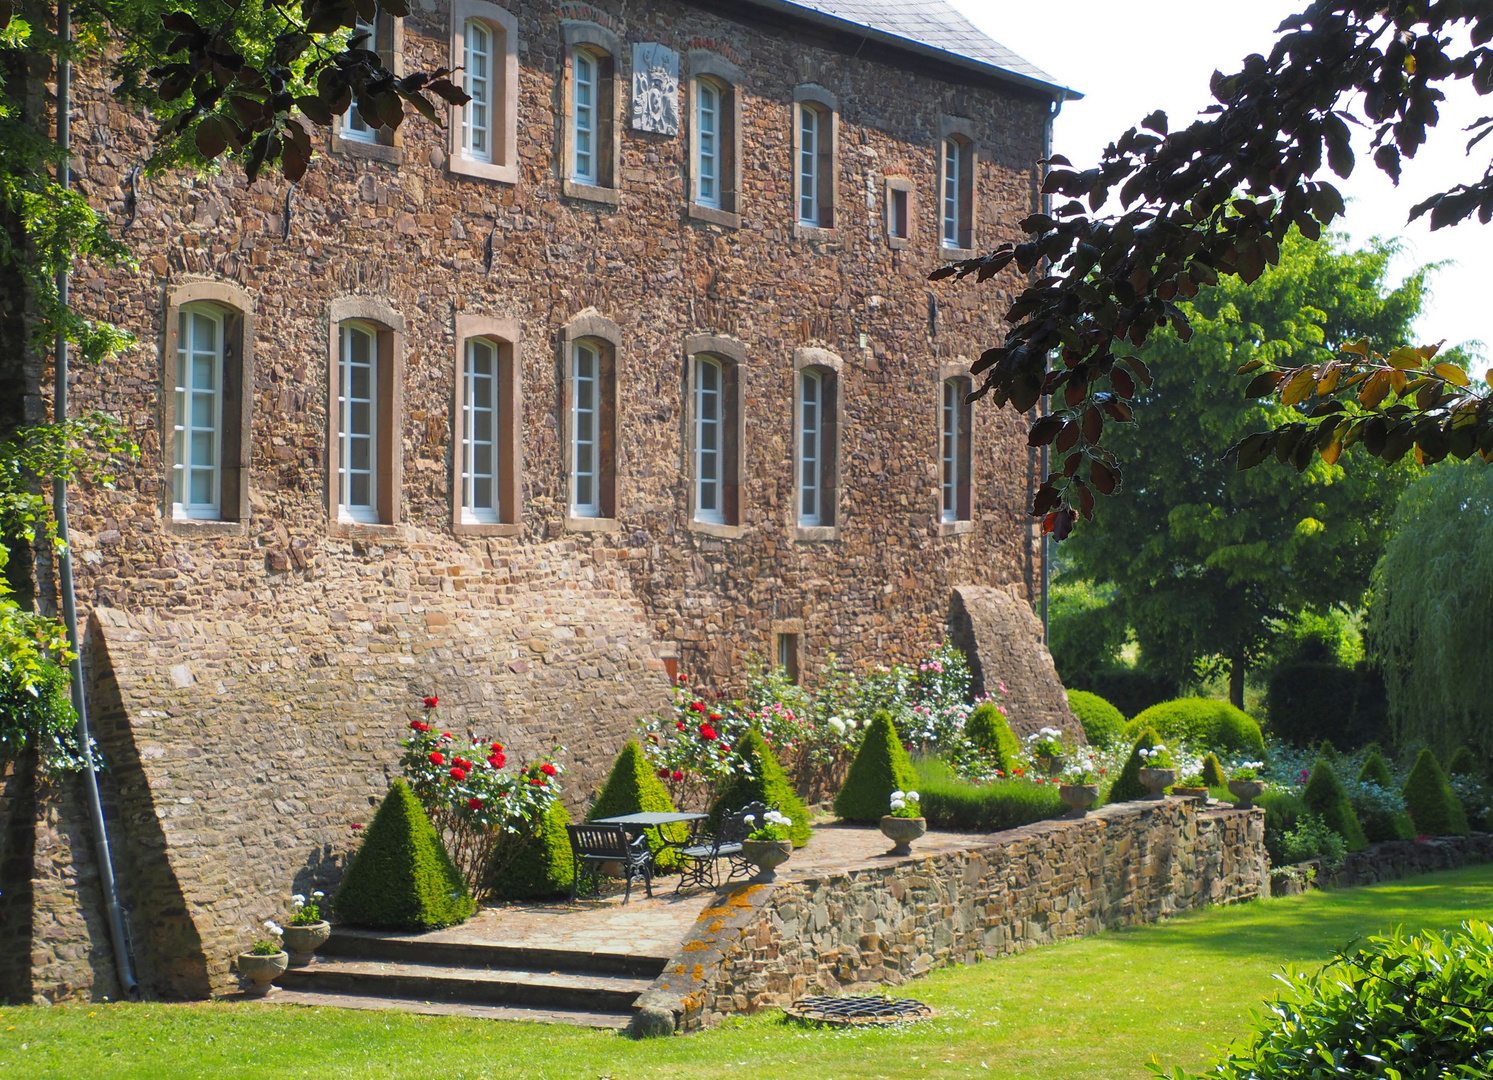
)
(763, 946)
(1003, 639)
(256, 677)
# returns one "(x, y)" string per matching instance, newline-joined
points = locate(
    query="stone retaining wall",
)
(1389, 861)
(765, 945)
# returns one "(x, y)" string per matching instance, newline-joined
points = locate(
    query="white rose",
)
(912, 796)
(898, 794)
(898, 804)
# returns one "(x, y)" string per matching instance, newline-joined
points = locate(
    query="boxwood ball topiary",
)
(401, 877)
(987, 728)
(1326, 797)
(880, 768)
(540, 866)
(766, 784)
(632, 788)
(1433, 807)
(1103, 724)
(1127, 786)
(1204, 724)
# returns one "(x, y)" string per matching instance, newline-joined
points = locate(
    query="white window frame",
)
(364, 513)
(710, 452)
(585, 351)
(708, 102)
(810, 131)
(353, 126)
(949, 441)
(583, 119)
(473, 406)
(185, 463)
(810, 465)
(480, 86)
(953, 227)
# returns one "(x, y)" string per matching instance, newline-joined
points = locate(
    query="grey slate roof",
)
(929, 27)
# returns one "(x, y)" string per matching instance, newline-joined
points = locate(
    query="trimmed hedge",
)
(767, 784)
(1326, 797)
(1213, 774)
(1103, 724)
(401, 877)
(987, 728)
(541, 866)
(1433, 807)
(951, 803)
(1127, 786)
(880, 767)
(1376, 771)
(1203, 723)
(1130, 690)
(631, 788)
(1308, 701)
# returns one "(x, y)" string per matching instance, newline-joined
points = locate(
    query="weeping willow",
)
(1431, 613)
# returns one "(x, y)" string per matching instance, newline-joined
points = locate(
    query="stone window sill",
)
(482, 170)
(724, 218)
(359, 530)
(487, 528)
(899, 243)
(955, 528)
(814, 232)
(715, 528)
(373, 151)
(592, 524)
(591, 193)
(196, 527)
(956, 254)
(816, 533)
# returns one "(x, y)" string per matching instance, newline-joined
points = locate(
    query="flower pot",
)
(1246, 791)
(1079, 797)
(302, 940)
(1198, 793)
(261, 971)
(766, 856)
(902, 831)
(1158, 780)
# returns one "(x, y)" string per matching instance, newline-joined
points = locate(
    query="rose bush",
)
(691, 748)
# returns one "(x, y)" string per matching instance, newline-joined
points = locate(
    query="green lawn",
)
(1096, 1008)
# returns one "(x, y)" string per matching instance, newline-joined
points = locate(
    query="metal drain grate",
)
(858, 1011)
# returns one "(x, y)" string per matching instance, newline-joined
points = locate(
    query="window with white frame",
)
(480, 444)
(810, 132)
(811, 448)
(954, 439)
(586, 426)
(354, 127)
(477, 119)
(585, 91)
(951, 193)
(197, 464)
(708, 101)
(357, 410)
(710, 439)
(956, 193)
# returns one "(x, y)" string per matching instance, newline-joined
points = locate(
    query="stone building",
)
(631, 368)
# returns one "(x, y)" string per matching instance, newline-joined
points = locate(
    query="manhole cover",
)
(858, 1011)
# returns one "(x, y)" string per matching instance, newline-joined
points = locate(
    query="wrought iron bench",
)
(593, 845)
(699, 855)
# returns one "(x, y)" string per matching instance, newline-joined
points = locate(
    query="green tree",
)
(1215, 562)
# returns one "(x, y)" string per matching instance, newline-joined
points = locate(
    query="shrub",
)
(1131, 690)
(1433, 808)
(988, 730)
(631, 788)
(1326, 797)
(540, 865)
(401, 877)
(1307, 702)
(1464, 763)
(1102, 722)
(951, 803)
(1312, 838)
(1380, 810)
(1204, 724)
(1283, 811)
(1213, 774)
(880, 768)
(1127, 785)
(766, 783)
(1475, 797)
(1375, 771)
(1328, 752)
(1402, 1006)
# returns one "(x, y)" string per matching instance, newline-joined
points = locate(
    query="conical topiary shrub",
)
(1127, 786)
(1463, 763)
(1103, 724)
(1213, 774)
(540, 866)
(1376, 771)
(767, 784)
(880, 768)
(987, 728)
(401, 877)
(631, 788)
(1433, 808)
(1326, 797)
(1328, 752)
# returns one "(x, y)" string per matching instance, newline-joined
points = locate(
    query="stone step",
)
(544, 990)
(352, 944)
(574, 1017)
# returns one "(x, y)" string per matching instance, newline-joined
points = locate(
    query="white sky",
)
(1129, 57)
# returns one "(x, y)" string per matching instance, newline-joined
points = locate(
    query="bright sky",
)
(1129, 57)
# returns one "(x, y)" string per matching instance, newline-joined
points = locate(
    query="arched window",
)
(591, 345)
(358, 396)
(954, 444)
(811, 448)
(814, 146)
(487, 462)
(586, 468)
(708, 143)
(480, 442)
(477, 122)
(484, 47)
(714, 118)
(352, 133)
(589, 145)
(197, 475)
(816, 443)
(365, 448)
(957, 179)
(710, 502)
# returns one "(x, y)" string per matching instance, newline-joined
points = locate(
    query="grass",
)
(1094, 1009)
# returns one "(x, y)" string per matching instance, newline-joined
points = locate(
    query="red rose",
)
(682, 679)
(677, 776)
(497, 761)
(437, 758)
(714, 716)
(458, 775)
(708, 733)
(536, 782)
(474, 804)
(356, 826)
(725, 749)
(415, 724)
(663, 774)
(430, 702)
(447, 735)
(497, 746)
(698, 706)
(679, 724)
(547, 769)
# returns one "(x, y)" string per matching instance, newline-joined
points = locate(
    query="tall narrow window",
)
(477, 122)
(708, 121)
(479, 450)
(951, 180)
(583, 133)
(357, 400)
(709, 441)
(811, 450)
(585, 479)
(897, 215)
(353, 125)
(956, 187)
(809, 134)
(788, 656)
(197, 465)
(954, 439)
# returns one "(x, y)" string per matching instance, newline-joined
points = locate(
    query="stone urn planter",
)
(261, 970)
(1198, 793)
(902, 831)
(1158, 780)
(766, 856)
(1246, 791)
(304, 939)
(1079, 798)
